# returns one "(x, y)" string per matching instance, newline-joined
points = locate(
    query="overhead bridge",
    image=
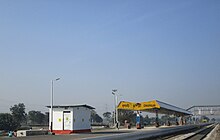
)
(207, 110)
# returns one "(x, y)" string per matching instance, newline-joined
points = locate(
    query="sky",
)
(146, 49)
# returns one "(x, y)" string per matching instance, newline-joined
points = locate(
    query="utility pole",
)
(51, 109)
(116, 110)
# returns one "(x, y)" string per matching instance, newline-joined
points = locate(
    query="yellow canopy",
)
(152, 106)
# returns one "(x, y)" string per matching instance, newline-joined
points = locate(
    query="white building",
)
(71, 119)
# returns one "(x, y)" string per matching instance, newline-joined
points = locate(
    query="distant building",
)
(71, 119)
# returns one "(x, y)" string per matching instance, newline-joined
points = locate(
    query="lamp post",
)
(51, 110)
(116, 110)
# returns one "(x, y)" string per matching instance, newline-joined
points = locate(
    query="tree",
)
(107, 115)
(36, 117)
(213, 120)
(7, 122)
(146, 120)
(46, 119)
(107, 118)
(128, 115)
(95, 117)
(18, 113)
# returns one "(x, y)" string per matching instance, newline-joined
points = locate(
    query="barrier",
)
(23, 133)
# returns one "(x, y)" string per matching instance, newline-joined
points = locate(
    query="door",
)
(67, 120)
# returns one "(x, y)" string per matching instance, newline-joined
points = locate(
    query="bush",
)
(7, 122)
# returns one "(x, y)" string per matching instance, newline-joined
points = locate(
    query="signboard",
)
(126, 105)
(138, 106)
(150, 105)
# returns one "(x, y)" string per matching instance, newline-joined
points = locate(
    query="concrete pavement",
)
(106, 134)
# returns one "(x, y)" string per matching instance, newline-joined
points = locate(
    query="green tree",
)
(146, 120)
(107, 115)
(7, 122)
(46, 119)
(36, 117)
(98, 119)
(213, 120)
(107, 118)
(95, 117)
(128, 115)
(18, 113)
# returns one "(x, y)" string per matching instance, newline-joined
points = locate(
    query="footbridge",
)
(205, 110)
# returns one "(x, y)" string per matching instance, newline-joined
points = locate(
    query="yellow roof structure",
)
(152, 106)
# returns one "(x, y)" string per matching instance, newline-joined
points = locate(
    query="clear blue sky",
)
(147, 49)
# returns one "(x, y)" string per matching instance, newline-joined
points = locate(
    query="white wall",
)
(58, 118)
(81, 117)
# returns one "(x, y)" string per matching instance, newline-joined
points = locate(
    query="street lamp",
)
(116, 110)
(51, 110)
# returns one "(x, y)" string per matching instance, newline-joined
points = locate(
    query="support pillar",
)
(181, 121)
(157, 119)
(177, 122)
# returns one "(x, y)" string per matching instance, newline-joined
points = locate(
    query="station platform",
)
(113, 134)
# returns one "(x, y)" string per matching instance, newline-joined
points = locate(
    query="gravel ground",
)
(218, 133)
